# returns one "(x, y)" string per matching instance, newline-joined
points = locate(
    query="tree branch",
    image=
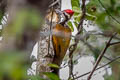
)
(100, 57)
(54, 3)
(114, 43)
(100, 67)
(74, 46)
(93, 49)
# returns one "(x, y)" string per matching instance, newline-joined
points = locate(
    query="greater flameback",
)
(61, 39)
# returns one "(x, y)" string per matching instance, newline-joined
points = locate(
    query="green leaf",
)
(76, 15)
(78, 18)
(90, 17)
(76, 9)
(75, 3)
(113, 2)
(51, 76)
(1, 16)
(76, 24)
(96, 53)
(0, 32)
(53, 65)
(35, 78)
(70, 26)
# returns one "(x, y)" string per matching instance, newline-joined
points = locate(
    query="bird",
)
(61, 36)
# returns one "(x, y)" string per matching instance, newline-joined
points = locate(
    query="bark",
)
(43, 59)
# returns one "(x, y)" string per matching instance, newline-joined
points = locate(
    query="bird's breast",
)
(62, 31)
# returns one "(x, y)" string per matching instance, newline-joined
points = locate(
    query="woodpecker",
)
(61, 39)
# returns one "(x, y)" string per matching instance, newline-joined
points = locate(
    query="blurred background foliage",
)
(11, 66)
(105, 14)
(14, 63)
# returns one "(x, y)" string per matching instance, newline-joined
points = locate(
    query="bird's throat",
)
(65, 20)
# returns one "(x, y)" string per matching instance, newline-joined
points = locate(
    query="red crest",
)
(69, 11)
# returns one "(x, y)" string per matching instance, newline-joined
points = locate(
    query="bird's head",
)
(68, 12)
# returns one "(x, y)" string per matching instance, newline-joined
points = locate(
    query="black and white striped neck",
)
(66, 17)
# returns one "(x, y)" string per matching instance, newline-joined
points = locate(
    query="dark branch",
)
(82, 17)
(114, 43)
(54, 3)
(74, 46)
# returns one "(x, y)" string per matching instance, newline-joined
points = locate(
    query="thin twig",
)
(54, 3)
(105, 34)
(115, 43)
(100, 66)
(82, 17)
(71, 68)
(100, 57)
(108, 12)
(50, 30)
